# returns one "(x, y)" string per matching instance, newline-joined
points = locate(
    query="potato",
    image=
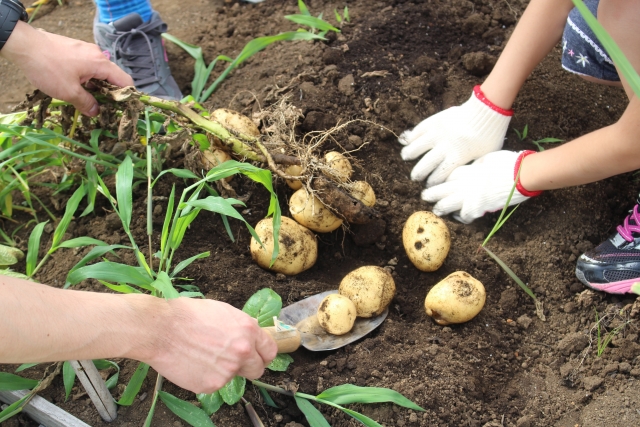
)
(298, 247)
(340, 165)
(214, 157)
(362, 191)
(294, 170)
(235, 122)
(426, 240)
(309, 211)
(458, 298)
(336, 314)
(371, 288)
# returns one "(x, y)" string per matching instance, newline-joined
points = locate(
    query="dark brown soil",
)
(506, 367)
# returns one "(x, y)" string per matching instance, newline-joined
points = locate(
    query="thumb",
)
(85, 102)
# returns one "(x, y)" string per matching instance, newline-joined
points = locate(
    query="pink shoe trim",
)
(164, 49)
(107, 54)
(622, 287)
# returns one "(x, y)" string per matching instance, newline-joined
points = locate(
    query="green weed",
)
(538, 142)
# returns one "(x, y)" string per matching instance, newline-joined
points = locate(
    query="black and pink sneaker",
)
(614, 265)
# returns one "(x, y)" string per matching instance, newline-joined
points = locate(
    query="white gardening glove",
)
(481, 187)
(455, 137)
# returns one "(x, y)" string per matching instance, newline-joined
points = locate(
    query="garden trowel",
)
(298, 325)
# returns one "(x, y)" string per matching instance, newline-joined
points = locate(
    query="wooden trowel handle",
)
(288, 341)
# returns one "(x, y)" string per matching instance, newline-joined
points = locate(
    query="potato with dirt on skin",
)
(298, 247)
(336, 314)
(458, 298)
(339, 164)
(235, 122)
(362, 191)
(426, 240)
(293, 170)
(310, 212)
(371, 288)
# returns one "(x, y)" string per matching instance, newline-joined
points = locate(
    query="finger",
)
(427, 164)
(84, 102)
(449, 204)
(266, 347)
(439, 192)
(253, 367)
(442, 172)
(110, 72)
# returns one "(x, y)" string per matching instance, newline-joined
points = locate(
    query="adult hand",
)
(454, 137)
(481, 187)
(59, 65)
(206, 343)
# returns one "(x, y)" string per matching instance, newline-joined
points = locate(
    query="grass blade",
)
(349, 393)
(303, 8)
(124, 181)
(72, 206)
(81, 241)
(313, 416)
(135, 383)
(510, 272)
(191, 414)
(163, 285)
(34, 247)
(113, 272)
(13, 409)
(187, 262)
(68, 378)
(10, 382)
(313, 22)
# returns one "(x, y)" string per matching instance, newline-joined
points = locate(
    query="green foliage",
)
(193, 415)
(538, 142)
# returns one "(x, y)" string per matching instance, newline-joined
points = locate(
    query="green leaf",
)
(167, 219)
(94, 253)
(191, 414)
(349, 393)
(362, 418)
(13, 409)
(510, 272)
(26, 366)
(263, 305)
(635, 288)
(34, 247)
(81, 241)
(15, 274)
(124, 181)
(10, 256)
(233, 391)
(121, 288)
(303, 8)
(91, 186)
(72, 206)
(346, 14)
(181, 228)
(187, 262)
(180, 173)
(210, 402)
(68, 378)
(313, 22)
(313, 416)
(135, 383)
(164, 286)
(102, 364)
(267, 399)
(280, 363)
(111, 271)
(10, 382)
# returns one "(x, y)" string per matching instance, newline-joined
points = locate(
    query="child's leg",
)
(582, 52)
(112, 10)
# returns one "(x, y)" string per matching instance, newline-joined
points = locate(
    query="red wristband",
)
(480, 95)
(519, 186)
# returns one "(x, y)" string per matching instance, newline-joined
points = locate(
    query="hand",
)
(481, 187)
(59, 65)
(454, 137)
(206, 343)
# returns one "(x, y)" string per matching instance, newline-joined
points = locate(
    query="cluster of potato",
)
(364, 292)
(298, 245)
(457, 298)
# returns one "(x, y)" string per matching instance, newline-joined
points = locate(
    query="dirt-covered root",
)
(350, 208)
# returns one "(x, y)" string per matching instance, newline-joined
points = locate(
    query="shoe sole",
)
(622, 287)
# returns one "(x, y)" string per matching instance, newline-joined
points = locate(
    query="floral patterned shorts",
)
(582, 52)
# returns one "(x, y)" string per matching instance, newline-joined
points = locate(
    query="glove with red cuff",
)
(481, 187)
(454, 137)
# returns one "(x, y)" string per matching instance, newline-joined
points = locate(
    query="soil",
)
(506, 367)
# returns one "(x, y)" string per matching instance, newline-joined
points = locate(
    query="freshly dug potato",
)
(458, 298)
(371, 288)
(293, 170)
(309, 211)
(235, 122)
(362, 191)
(340, 164)
(426, 240)
(336, 314)
(298, 247)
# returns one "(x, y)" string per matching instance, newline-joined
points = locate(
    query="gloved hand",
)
(455, 137)
(481, 187)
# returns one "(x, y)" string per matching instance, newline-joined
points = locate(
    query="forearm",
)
(537, 32)
(606, 152)
(46, 324)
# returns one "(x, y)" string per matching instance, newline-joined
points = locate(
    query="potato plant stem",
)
(74, 125)
(149, 189)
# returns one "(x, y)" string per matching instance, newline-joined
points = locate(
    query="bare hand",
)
(59, 65)
(207, 343)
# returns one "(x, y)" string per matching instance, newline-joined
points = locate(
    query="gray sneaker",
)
(138, 49)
